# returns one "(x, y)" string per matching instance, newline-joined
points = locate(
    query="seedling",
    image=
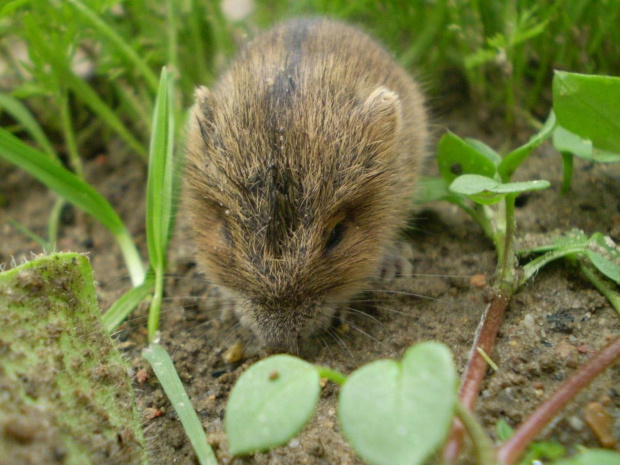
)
(391, 412)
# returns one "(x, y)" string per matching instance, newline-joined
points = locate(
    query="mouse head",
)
(292, 197)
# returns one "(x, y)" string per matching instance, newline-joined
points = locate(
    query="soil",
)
(553, 324)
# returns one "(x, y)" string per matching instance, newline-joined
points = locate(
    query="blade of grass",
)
(81, 88)
(22, 115)
(45, 245)
(123, 307)
(67, 128)
(74, 190)
(159, 199)
(123, 48)
(163, 367)
(54, 220)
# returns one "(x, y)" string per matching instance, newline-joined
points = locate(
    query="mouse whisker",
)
(393, 310)
(356, 311)
(340, 342)
(361, 331)
(411, 294)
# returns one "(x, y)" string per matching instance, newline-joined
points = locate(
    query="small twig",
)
(512, 450)
(476, 367)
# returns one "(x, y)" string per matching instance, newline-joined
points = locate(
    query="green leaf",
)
(514, 159)
(504, 430)
(399, 413)
(568, 239)
(485, 150)
(545, 450)
(164, 369)
(487, 191)
(605, 256)
(592, 457)
(271, 403)
(589, 106)
(9, 7)
(455, 157)
(566, 141)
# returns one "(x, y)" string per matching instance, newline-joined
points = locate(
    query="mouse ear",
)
(202, 108)
(383, 111)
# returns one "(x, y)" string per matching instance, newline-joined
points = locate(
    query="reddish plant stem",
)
(486, 334)
(513, 448)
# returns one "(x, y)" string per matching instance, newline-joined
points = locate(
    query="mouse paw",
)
(396, 262)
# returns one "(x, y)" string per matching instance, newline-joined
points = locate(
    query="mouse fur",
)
(301, 164)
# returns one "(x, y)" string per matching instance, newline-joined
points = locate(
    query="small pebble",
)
(529, 322)
(478, 280)
(142, 376)
(150, 413)
(567, 353)
(234, 353)
(576, 423)
(600, 423)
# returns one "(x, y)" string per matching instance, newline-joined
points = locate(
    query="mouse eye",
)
(335, 236)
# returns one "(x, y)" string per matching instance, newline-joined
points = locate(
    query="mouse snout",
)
(282, 326)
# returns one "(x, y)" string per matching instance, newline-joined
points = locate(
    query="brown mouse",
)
(302, 161)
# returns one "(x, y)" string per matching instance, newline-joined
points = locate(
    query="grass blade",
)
(22, 115)
(45, 245)
(163, 367)
(82, 90)
(159, 199)
(126, 304)
(74, 190)
(129, 54)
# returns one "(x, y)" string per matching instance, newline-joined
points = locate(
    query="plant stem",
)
(155, 308)
(332, 375)
(132, 257)
(513, 448)
(69, 133)
(476, 367)
(567, 171)
(54, 220)
(508, 259)
(601, 285)
(485, 451)
(486, 332)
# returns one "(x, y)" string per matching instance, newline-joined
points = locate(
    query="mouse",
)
(301, 163)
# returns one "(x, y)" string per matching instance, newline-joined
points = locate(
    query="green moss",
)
(65, 392)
